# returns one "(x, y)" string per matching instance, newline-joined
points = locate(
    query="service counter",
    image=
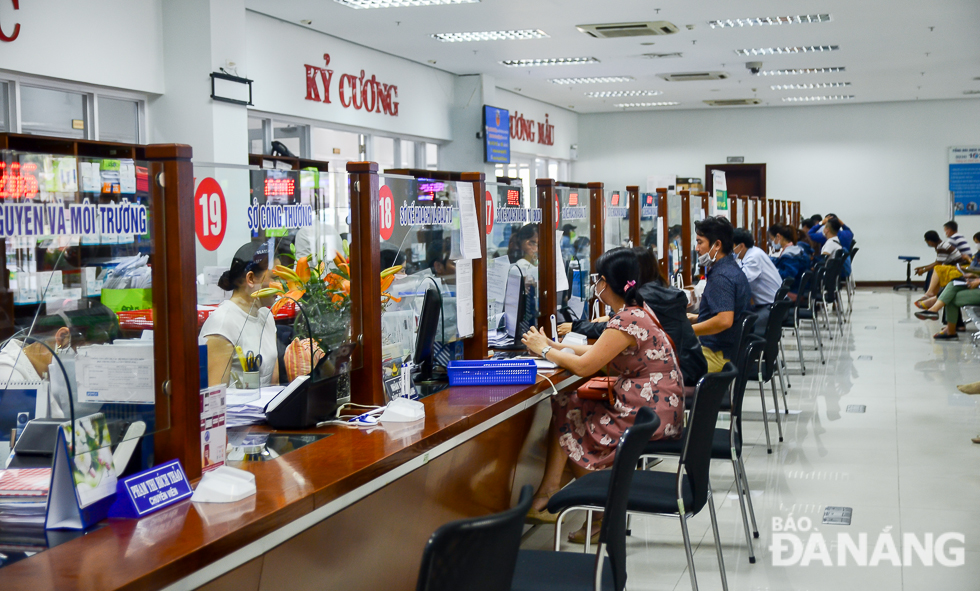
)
(352, 509)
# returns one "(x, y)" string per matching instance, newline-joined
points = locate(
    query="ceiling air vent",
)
(657, 56)
(734, 102)
(612, 30)
(694, 76)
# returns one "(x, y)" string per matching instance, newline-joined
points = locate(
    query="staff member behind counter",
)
(243, 321)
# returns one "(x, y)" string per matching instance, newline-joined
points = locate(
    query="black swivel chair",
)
(478, 553)
(683, 494)
(539, 570)
(727, 443)
(769, 367)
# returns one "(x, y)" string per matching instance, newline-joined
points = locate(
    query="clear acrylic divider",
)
(617, 223)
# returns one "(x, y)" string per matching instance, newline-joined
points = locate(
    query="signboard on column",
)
(964, 180)
(719, 201)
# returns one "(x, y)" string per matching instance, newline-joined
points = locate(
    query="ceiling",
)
(894, 50)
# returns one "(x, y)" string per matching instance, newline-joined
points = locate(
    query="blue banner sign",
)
(496, 135)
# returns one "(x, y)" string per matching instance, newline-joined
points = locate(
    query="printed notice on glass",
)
(562, 283)
(470, 227)
(464, 298)
(497, 279)
(115, 373)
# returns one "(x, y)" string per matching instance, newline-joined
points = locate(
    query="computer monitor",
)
(425, 338)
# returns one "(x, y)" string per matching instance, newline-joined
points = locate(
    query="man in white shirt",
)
(764, 279)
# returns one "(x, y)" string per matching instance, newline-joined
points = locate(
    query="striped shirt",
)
(961, 244)
(946, 253)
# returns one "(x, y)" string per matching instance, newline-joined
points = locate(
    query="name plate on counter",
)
(151, 490)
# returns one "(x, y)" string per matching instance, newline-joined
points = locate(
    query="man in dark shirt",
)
(726, 293)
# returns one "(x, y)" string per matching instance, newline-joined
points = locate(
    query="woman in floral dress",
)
(634, 347)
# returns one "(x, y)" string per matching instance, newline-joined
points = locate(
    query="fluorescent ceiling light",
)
(636, 105)
(782, 50)
(551, 61)
(770, 20)
(615, 93)
(399, 3)
(592, 80)
(491, 35)
(795, 71)
(810, 85)
(809, 99)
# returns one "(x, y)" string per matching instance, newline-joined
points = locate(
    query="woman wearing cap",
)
(243, 321)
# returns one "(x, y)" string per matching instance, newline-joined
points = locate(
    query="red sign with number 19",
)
(386, 205)
(211, 214)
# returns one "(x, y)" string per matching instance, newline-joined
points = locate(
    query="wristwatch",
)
(544, 352)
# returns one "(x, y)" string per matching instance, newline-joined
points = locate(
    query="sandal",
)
(578, 536)
(542, 517)
(927, 315)
(918, 304)
(944, 336)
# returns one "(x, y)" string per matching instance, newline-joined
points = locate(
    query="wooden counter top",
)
(165, 547)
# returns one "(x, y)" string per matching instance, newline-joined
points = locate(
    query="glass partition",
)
(650, 222)
(273, 276)
(420, 233)
(78, 311)
(513, 236)
(616, 231)
(675, 219)
(697, 214)
(574, 222)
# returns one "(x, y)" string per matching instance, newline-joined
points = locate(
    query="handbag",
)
(599, 388)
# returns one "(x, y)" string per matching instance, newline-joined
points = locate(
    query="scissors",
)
(253, 362)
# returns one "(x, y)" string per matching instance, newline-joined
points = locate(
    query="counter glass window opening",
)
(298, 220)
(616, 231)
(649, 221)
(697, 214)
(421, 220)
(77, 310)
(574, 222)
(513, 244)
(675, 219)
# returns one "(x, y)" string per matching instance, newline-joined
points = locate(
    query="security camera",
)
(754, 67)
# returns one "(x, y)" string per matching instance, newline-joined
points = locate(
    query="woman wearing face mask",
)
(243, 321)
(633, 346)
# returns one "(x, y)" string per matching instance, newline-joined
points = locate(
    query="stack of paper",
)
(23, 496)
(499, 338)
(244, 408)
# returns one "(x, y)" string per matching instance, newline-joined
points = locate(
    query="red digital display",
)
(572, 199)
(14, 184)
(279, 187)
(649, 199)
(513, 197)
(615, 199)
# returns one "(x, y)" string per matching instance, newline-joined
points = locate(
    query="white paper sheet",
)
(562, 283)
(464, 298)
(497, 279)
(470, 227)
(115, 373)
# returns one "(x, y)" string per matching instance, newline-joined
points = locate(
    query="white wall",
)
(116, 43)
(277, 52)
(881, 167)
(566, 124)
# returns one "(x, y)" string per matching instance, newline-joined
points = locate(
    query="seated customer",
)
(726, 293)
(792, 261)
(819, 237)
(764, 279)
(943, 268)
(951, 229)
(830, 231)
(637, 350)
(954, 298)
(804, 242)
(670, 305)
(243, 320)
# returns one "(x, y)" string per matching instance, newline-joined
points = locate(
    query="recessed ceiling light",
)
(491, 35)
(399, 3)
(808, 99)
(795, 71)
(306, 21)
(971, 92)
(550, 61)
(615, 93)
(781, 50)
(810, 85)
(637, 105)
(770, 20)
(592, 80)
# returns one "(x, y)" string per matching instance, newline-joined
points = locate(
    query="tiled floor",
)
(906, 467)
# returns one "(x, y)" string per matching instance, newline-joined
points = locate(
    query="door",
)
(742, 179)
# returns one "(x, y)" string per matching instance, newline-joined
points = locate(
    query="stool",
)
(908, 274)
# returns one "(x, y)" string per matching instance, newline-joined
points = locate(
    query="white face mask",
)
(706, 260)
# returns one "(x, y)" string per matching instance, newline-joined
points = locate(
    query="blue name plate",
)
(151, 490)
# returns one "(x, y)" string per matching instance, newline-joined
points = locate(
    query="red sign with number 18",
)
(211, 214)
(386, 205)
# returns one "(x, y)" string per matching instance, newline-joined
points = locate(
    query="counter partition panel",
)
(617, 220)
(97, 244)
